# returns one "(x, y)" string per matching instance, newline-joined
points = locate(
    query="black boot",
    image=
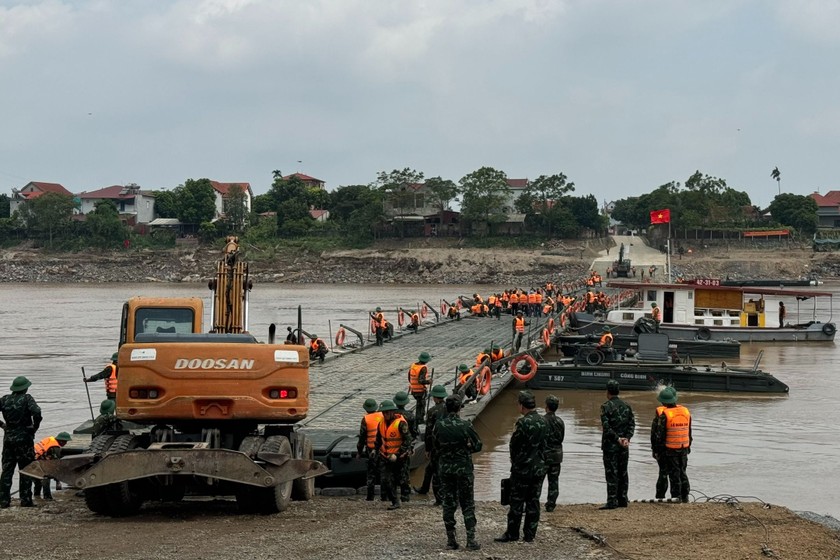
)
(472, 544)
(451, 543)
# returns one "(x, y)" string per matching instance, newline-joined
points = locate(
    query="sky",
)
(619, 95)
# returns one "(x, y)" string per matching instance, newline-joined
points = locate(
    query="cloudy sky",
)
(620, 95)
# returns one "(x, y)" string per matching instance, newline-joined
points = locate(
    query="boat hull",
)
(569, 344)
(645, 377)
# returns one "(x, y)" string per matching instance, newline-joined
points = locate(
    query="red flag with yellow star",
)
(660, 216)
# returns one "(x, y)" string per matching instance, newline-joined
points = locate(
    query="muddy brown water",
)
(779, 449)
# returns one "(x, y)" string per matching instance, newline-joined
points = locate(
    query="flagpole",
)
(668, 246)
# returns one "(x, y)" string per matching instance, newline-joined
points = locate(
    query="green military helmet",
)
(439, 391)
(20, 384)
(313, 336)
(463, 368)
(378, 309)
(387, 406)
(424, 357)
(369, 406)
(526, 399)
(606, 329)
(107, 406)
(551, 400)
(613, 386)
(495, 347)
(114, 357)
(486, 350)
(453, 403)
(63, 436)
(668, 395)
(653, 304)
(401, 398)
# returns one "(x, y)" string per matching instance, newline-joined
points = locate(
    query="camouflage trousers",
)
(431, 480)
(615, 469)
(420, 409)
(405, 479)
(16, 454)
(372, 473)
(677, 464)
(457, 490)
(524, 497)
(45, 483)
(662, 477)
(553, 475)
(391, 478)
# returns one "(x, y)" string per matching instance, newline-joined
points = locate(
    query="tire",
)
(246, 496)
(276, 499)
(101, 443)
(303, 490)
(829, 329)
(124, 498)
(595, 358)
(703, 333)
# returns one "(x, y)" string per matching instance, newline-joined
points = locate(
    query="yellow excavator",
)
(217, 410)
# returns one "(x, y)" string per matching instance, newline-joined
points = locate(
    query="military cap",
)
(439, 391)
(463, 368)
(313, 336)
(387, 406)
(370, 405)
(453, 403)
(378, 309)
(668, 395)
(107, 406)
(653, 304)
(495, 347)
(552, 400)
(63, 436)
(401, 398)
(519, 312)
(606, 329)
(114, 356)
(526, 399)
(613, 386)
(424, 357)
(20, 384)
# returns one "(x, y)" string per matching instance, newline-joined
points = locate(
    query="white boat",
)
(709, 311)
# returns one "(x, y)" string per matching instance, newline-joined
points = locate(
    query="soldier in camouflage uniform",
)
(365, 446)
(527, 470)
(430, 476)
(106, 421)
(455, 442)
(393, 443)
(671, 444)
(401, 400)
(21, 419)
(553, 450)
(49, 449)
(618, 427)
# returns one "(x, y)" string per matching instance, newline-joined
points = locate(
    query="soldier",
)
(418, 381)
(47, 449)
(21, 419)
(393, 443)
(106, 421)
(467, 382)
(317, 348)
(670, 439)
(401, 400)
(109, 374)
(519, 325)
(430, 476)
(366, 445)
(455, 442)
(527, 470)
(553, 450)
(656, 314)
(618, 427)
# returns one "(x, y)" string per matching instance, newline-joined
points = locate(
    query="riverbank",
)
(406, 262)
(352, 529)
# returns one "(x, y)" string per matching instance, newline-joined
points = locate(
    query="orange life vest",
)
(391, 437)
(372, 421)
(677, 423)
(532, 297)
(111, 381)
(414, 378)
(496, 355)
(656, 314)
(514, 298)
(45, 445)
(491, 300)
(464, 377)
(538, 297)
(505, 296)
(481, 357)
(606, 339)
(315, 345)
(520, 325)
(475, 309)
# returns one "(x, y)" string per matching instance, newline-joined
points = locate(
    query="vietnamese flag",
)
(660, 216)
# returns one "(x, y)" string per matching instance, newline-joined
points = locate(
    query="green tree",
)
(441, 193)
(166, 204)
(291, 199)
(485, 193)
(796, 211)
(398, 189)
(104, 225)
(47, 215)
(542, 201)
(196, 201)
(5, 205)
(236, 210)
(586, 212)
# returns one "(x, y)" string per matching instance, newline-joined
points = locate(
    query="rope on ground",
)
(736, 502)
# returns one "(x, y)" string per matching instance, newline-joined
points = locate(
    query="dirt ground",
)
(350, 528)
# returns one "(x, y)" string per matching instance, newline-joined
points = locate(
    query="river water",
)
(778, 449)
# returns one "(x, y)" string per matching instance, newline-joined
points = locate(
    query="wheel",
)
(595, 358)
(125, 497)
(276, 499)
(703, 333)
(96, 499)
(303, 490)
(246, 496)
(101, 443)
(829, 329)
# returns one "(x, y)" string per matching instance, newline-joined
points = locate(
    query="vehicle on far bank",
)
(621, 267)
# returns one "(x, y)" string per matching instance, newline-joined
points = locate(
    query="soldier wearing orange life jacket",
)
(366, 448)
(393, 445)
(317, 348)
(671, 438)
(47, 449)
(519, 325)
(109, 374)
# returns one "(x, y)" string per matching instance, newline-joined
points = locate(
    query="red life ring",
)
(532, 363)
(424, 310)
(551, 326)
(401, 318)
(372, 326)
(339, 337)
(485, 379)
(563, 320)
(444, 307)
(546, 338)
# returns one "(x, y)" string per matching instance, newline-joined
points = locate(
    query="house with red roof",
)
(222, 190)
(310, 182)
(33, 190)
(828, 209)
(135, 205)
